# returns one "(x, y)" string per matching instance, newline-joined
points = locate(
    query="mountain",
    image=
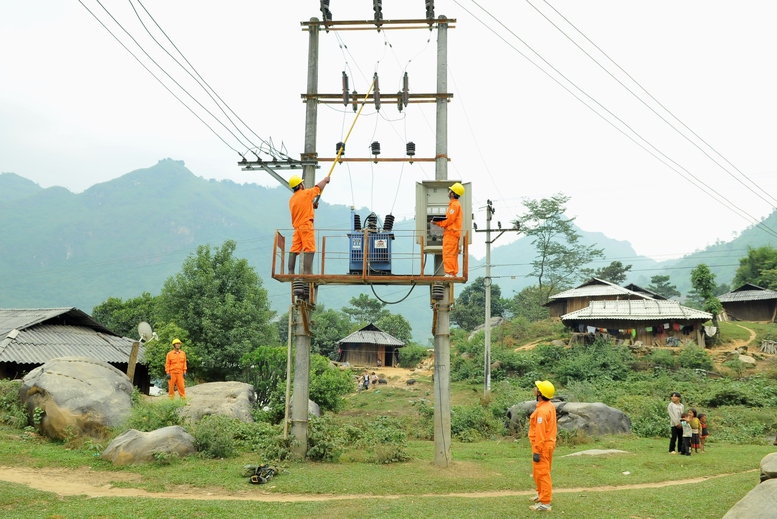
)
(126, 236)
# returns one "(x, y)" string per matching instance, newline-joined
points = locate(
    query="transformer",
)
(378, 238)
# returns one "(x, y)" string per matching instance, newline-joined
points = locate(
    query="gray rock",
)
(592, 418)
(558, 342)
(232, 399)
(134, 446)
(759, 503)
(747, 359)
(769, 466)
(313, 409)
(76, 394)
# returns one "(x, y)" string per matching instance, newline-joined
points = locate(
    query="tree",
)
(615, 272)
(329, 326)
(365, 310)
(560, 256)
(757, 267)
(703, 282)
(470, 308)
(123, 317)
(526, 304)
(660, 285)
(396, 326)
(219, 300)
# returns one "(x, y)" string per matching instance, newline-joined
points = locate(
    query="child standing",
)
(675, 409)
(695, 430)
(686, 445)
(704, 431)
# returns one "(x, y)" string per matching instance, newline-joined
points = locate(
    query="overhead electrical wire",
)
(159, 80)
(696, 181)
(773, 200)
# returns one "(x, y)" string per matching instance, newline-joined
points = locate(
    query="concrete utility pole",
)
(442, 339)
(487, 355)
(301, 394)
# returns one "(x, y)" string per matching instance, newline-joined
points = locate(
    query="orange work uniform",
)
(301, 207)
(175, 366)
(451, 236)
(542, 435)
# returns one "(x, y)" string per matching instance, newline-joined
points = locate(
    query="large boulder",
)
(134, 446)
(232, 399)
(769, 467)
(76, 395)
(592, 418)
(757, 504)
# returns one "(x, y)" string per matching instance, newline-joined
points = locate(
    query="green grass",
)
(732, 331)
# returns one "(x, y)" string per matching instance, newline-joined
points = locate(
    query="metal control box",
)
(432, 200)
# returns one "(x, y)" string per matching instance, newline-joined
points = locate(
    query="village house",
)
(749, 303)
(592, 290)
(369, 345)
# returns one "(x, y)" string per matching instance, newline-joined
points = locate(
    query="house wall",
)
(751, 310)
(368, 355)
(644, 336)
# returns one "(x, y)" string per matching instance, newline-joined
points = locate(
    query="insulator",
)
(375, 147)
(340, 145)
(405, 90)
(388, 223)
(372, 222)
(376, 92)
(325, 12)
(357, 222)
(377, 6)
(399, 101)
(345, 89)
(429, 9)
(438, 291)
(410, 149)
(355, 99)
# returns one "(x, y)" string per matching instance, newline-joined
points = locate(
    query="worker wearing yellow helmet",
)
(175, 367)
(542, 436)
(301, 207)
(451, 225)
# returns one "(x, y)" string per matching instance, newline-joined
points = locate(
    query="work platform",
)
(333, 266)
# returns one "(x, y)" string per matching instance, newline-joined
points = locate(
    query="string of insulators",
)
(410, 149)
(325, 12)
(377, 6)
(430, 9)
(345, 89)
(375, 147)
(388, 223)
(405, 90)
(376, 92)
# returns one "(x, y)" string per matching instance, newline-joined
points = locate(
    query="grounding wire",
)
(412, 286)
(774, 201)
(168, 74)
(201, 81)
(696, 182)
(159, 80)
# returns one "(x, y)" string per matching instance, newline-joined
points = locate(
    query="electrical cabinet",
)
(432, 200)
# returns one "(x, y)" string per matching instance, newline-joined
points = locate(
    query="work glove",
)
(535, 457)
(168, 376)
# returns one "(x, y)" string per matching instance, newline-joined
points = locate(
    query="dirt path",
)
(739, 343)
(83, 481)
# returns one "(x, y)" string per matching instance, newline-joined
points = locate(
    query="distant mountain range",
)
(126, 236)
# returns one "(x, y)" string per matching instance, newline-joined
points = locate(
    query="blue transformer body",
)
(378, 250)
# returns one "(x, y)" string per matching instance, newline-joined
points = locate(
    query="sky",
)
(532, 114)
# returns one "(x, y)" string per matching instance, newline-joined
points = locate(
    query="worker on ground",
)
(301, 207)
(175, 367)
(542, 436)
(451, 225)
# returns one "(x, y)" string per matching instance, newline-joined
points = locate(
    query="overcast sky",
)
(77, 109)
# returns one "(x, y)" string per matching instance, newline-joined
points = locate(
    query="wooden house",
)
(31, 337)
(369, 345)
(592, 290)
(640, 290)
(655, 322)
(749, 303)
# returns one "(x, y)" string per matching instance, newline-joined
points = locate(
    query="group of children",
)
(689, 428)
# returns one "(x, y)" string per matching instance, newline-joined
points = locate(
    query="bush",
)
(215, 436)
(150, 416)
(474, 423)
(662, 358)
(602, 360)
(328, 384)
(411, 355)
(11, 410)
(693, 357)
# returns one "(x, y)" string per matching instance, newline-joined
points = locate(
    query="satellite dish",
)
(144, 329)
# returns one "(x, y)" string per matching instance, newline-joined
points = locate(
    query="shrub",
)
(11, 410)
(662, 358)
(601, 360)
(215, 436)
(328, 384)
(474, 423)
(693, 357)
(411, 355)
(150, 416)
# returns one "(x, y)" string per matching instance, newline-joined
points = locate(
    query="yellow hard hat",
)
(176, 341)
(457, 188)
(546, 388)
(294, 181)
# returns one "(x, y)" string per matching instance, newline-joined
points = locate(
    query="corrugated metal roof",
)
(597, 288)
(371, 334)
(41, 343)
(748, 292)
(636, 310)
(21, 318)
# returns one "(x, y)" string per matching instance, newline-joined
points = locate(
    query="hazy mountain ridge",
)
(126, 236)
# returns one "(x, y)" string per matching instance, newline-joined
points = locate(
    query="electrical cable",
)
(159, 80)
(412, 287)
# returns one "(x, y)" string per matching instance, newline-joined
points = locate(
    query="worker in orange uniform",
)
(451, 225)
(542, 436)
(301, 207)
(175, 367)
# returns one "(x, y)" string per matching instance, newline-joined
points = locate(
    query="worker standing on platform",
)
(451, 225)
(301, 207)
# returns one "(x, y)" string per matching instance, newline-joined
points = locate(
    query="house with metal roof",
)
(641, 290)
(369, 345)
(656, 322)
(30, 337)
(592, 290)
(749, 303)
